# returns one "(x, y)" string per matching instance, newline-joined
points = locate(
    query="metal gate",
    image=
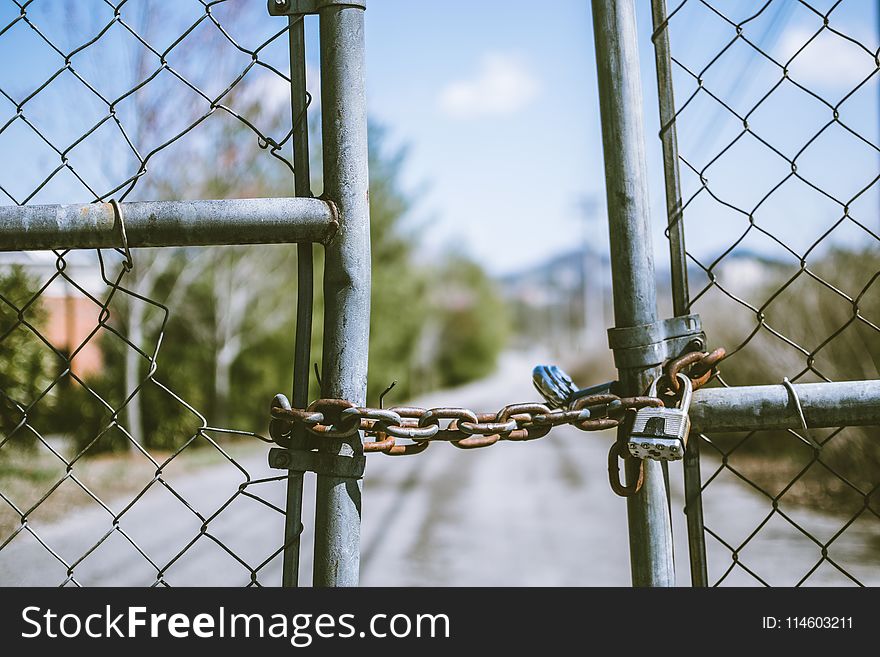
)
(339, 221)
(327, 436)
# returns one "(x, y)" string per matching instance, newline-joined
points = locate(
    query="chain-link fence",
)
(775, 110)
(770, 148)
(142, 355)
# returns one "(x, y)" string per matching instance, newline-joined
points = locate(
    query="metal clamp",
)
(301, 7)
(649, 345)
(322, 463)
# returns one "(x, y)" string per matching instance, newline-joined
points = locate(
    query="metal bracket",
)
(648, 345)
(300, 7)
(322, 463)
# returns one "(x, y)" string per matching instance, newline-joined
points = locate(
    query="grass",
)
(798, 482)
(27, 475)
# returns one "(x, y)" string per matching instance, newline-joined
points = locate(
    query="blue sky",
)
(507, 175)
(497, 104)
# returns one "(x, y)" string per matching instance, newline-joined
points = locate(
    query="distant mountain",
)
(562, 278)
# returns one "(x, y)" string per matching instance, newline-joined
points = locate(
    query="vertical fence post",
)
(346, 280)
(632, 261)
(304, 297)
(678, 265)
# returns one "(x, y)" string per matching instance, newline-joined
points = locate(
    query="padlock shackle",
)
(687, 390)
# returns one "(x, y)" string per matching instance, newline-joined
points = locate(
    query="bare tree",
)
(218, 158)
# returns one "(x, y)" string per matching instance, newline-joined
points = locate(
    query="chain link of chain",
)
(466, 429)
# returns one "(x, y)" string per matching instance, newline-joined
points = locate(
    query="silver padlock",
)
(661, 433)
(554, 385)
(558, 389)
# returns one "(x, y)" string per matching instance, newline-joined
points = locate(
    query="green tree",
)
(219, 321)
(25, 361)
(398, 313)
(473, 323)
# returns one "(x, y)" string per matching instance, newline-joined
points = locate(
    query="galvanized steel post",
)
(678, 266)
(304, 296)
(346, 280)
(632, 261)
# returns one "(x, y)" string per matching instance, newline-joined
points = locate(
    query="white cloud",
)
(829, 60)
(501, 85)
(271, 92)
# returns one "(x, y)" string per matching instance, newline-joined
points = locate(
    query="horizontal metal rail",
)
(750, 408)
(167, 223)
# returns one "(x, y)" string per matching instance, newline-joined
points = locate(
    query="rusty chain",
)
(466, 429)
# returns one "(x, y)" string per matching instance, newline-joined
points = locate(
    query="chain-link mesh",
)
(110, 472)
(777, 123)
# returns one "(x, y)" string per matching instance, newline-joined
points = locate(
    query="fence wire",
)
(777, 128)
(122, 100)
(777, 123)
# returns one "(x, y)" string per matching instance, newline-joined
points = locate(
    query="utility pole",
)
(592, 285)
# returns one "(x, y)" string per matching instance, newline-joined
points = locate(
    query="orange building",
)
(71, 319)
(71, 316)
